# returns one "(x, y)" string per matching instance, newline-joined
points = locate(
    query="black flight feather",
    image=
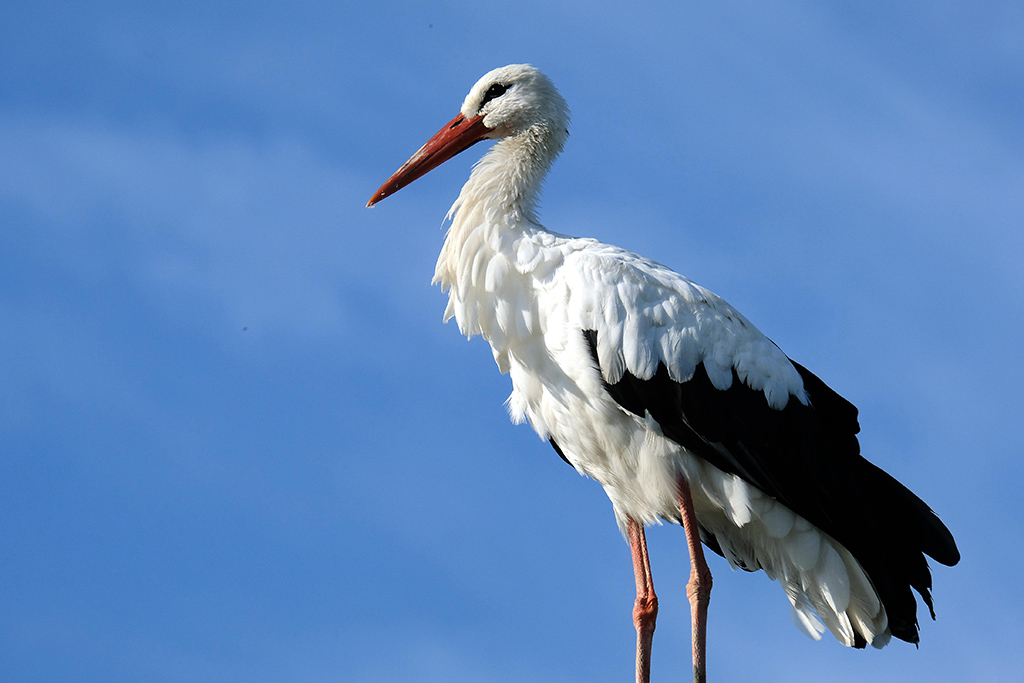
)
(808, 458)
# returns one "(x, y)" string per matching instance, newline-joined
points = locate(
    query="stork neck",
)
(506, 182)
(495, 206)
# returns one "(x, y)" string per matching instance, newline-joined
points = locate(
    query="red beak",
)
(459, 135)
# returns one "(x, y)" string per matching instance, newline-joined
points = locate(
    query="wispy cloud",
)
(255, 230)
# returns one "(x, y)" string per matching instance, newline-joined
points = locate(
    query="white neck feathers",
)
(480, 263)
(500, 198)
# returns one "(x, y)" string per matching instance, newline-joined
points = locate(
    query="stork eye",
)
(496, 90)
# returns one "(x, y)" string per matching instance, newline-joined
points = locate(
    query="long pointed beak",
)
(459, 135)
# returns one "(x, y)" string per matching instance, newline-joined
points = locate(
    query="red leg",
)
(645, 609)
(699, 587)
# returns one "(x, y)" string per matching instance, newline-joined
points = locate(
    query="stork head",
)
(515, 98)
(507, 102)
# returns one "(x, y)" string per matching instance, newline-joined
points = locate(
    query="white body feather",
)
(530, 293)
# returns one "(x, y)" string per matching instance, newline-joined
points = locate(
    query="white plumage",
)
(530, 296)
(583, 330)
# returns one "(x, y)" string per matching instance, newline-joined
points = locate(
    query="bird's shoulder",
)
(642, 314)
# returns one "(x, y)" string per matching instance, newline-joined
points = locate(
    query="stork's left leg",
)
(645, 609)
(699, 587)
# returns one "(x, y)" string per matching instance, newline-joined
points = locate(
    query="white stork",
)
(669, 397)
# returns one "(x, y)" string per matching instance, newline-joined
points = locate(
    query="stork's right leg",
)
(699, 587)
(645, 609)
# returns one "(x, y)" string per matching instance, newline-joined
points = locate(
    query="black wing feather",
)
(808, 458)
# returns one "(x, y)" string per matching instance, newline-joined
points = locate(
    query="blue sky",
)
(238, 444)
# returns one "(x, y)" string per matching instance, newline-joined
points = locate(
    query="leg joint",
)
(645, 612)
